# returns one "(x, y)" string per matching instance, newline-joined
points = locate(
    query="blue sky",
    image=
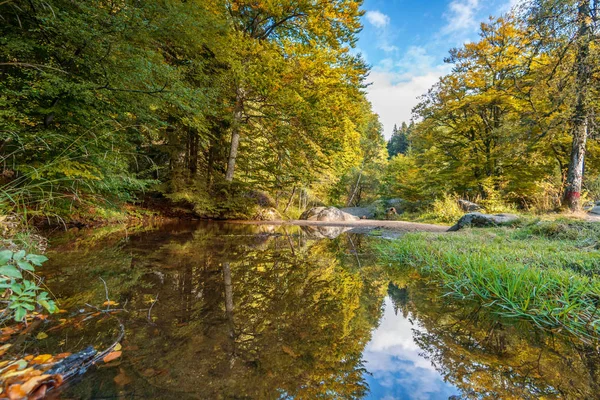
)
(405, 42)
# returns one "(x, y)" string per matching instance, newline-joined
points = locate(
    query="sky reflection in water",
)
(397, 368)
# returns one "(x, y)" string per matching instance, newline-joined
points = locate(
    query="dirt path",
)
(397, 226)
(593, 218)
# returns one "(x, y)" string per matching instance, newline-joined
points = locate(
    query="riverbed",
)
(216, 310)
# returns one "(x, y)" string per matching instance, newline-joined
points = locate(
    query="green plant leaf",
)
(20, 313)
(36, 259)
(5, 256)
(25, 265)
(19, 255)
(15, 287)
(11, 271)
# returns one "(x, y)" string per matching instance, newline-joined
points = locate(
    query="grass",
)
(547, 271)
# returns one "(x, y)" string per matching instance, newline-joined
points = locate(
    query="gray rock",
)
(324, 232)
(327, 214)
(468, 206)
(479, 220)
(595, 210)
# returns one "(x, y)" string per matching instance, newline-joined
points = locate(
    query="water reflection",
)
(266, 312)
(396, 362)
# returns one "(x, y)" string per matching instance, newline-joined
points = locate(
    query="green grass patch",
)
(547, 272)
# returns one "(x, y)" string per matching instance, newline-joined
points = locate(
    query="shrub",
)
(21, 295)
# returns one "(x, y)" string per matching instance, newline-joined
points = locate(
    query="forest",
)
(217, 105)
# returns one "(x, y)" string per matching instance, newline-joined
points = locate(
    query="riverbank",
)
(368, 224)
(546, 271)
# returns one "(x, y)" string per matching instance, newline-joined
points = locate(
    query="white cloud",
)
(377, 19)
(400, 78)
(396, 85)
(394, 95)
(461, 16)
(385, 37)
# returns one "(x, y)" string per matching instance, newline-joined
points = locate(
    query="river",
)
(218, 311)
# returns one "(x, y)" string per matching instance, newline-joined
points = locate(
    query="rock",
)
(268, 214)
(327, 214)
(324, 232)
(468, 206)
(595, 210)
(479, 220)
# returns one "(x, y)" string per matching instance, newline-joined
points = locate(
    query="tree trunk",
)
(290, 201)
(579, 120)
(235, 136)
(228, 296)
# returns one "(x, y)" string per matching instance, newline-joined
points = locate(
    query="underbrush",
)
(547, 272)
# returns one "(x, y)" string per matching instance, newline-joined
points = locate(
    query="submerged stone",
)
(479, 220)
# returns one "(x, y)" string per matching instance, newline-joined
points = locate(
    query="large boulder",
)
(327, 214)
(595, 210)
(479, 220)
(468, 206)
(324, 232)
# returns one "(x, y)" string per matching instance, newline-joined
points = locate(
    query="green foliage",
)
(498, 128)
(399, 143)
(444, 210)
(101, 101)
(22, 295)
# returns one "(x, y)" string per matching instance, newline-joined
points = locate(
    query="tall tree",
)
(271, 27)
(566, 30)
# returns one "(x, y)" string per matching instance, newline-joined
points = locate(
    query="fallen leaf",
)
(16, 373)
(110, 303)
(122, 379)
(112, 356)
(41, 336)
(42, 359)
(33, 383)
(39, 394)
(15, 392)
(150, 372)
(4, 348)
(61, 355)
(117, 347)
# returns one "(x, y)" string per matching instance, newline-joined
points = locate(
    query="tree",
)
(567, 29)
(268, 29)
(399, 143)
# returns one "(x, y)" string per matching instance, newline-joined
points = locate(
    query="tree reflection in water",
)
(261, 312)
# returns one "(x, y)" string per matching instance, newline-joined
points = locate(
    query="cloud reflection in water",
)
(397, 368)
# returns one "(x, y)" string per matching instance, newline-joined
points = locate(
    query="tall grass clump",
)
(527, 273)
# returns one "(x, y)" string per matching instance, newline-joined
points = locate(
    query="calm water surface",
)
(217, 311)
